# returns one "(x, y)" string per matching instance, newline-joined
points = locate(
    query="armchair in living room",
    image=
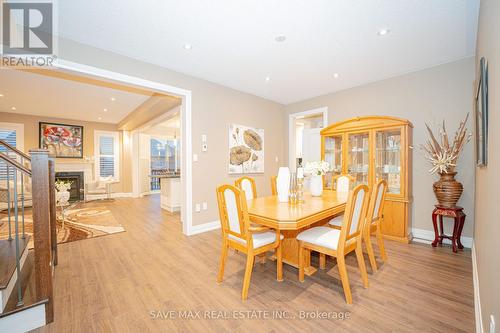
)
(99, 187)
(5, 194)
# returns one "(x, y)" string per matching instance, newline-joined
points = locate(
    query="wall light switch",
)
(205, 206)
(195, 157)
(204, 146)
(197, 208)
(277, 159)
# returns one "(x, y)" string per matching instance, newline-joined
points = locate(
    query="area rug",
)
(82, 221)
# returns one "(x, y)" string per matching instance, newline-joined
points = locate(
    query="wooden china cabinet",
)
(372, 148)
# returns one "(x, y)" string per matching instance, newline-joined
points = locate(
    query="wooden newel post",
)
(41, 229)
(52, 202)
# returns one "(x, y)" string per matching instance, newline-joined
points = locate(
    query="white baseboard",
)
(477, 296)
(427, 236)
(113, 195)
(145, 194)
(198, 229)
(171, 209)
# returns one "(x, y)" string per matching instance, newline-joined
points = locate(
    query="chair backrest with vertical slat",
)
(342, 183)
(355, 213)
(247, 184)
(376, 207)
(274, 190)
(232, 211)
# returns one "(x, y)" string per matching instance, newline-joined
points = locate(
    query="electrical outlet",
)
(277, 159)
(205, 206)
(197, 208)
(492, 324)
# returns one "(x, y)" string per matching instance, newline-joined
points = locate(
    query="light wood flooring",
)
(116, 283)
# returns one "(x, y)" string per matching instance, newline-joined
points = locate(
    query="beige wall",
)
(487, 228)
(214, 107)
(31, 139)
(431, 95)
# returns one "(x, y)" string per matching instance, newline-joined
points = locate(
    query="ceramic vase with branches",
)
(443, 155)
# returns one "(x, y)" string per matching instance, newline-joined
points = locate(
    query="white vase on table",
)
(283, 184)
(62, 197)
(316, 185)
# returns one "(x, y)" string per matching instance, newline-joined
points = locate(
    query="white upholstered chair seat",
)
(259, 239)
(322, 236)
(337, 221)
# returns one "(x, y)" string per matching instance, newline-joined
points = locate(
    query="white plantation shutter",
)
(9, 136)
(107, 154)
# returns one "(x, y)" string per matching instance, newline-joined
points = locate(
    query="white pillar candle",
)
(300, 173)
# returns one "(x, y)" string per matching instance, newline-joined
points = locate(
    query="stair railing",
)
(39, 168)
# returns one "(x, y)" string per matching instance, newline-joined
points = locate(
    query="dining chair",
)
(239, 234)
(374, 219)
(340, 242)
(247, 185)
(274, 188)
(340, 183)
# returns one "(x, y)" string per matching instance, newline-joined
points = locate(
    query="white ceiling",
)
(233, 41)
(54, 97)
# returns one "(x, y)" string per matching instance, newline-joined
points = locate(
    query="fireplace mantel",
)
(87, 167)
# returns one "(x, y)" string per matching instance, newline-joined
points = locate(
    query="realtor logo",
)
(28, 37)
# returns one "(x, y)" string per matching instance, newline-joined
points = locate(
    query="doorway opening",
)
(304, 136)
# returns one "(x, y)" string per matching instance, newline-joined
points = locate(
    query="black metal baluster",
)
(22, 199)
(8, 201)
(18, 255)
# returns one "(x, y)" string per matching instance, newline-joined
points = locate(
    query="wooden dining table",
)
(290, 219)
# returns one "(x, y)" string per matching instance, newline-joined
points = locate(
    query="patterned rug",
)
(82, 221)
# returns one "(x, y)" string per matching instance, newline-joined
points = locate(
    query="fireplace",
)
(77, 190)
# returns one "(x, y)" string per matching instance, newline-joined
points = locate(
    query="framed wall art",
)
(246, 149)
(62, 140)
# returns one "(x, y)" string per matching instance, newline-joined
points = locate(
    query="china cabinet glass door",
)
(388, 159)
(359, 157)
(333, 155)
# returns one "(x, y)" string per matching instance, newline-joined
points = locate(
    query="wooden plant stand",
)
(457, 213)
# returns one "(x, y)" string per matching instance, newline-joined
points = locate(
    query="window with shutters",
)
(13, 134)
(107, 155)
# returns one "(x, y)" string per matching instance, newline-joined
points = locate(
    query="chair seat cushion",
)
(337, 221)
(259, 239)
(321, 236)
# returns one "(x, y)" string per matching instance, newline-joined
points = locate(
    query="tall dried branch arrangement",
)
(441, 154)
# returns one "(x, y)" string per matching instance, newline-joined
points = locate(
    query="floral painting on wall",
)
(246, 149)
(62, 140)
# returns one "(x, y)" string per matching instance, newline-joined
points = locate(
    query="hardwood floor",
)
(118, 283)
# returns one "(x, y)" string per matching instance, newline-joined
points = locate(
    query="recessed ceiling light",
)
(1, 95)
(280, 38)
(187, 46)
(99, 118)
(105, 110)
(13, 108)
(267, 79)
(335, 75)
(112, 99)
(383, 32)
